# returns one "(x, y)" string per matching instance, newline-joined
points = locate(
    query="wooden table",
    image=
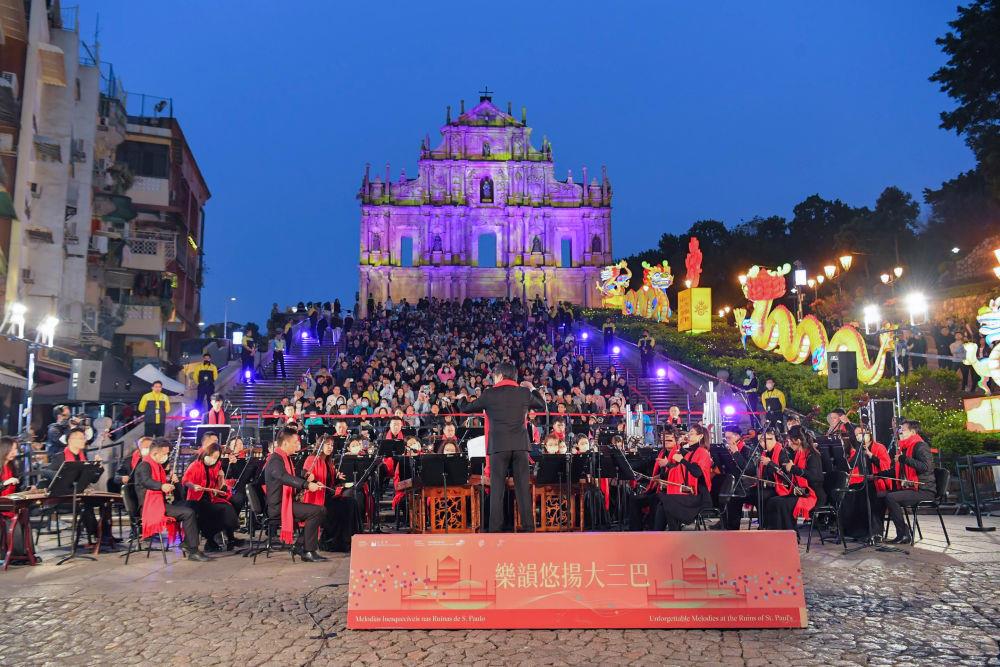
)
(431, 511)
(20, 505)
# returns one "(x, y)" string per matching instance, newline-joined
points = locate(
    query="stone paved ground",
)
(935, 606)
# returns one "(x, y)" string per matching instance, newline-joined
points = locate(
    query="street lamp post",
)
(225, 324)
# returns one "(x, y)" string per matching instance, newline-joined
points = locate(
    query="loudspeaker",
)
(878, 414)
(842, 370)
(85, 380)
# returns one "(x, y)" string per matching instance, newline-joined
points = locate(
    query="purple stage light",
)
(729, 410)
(194, 413)
(616, 350)
(305, 334)
(661, 372)
(585, 335)
(247, 374)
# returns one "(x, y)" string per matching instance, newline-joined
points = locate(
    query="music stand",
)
(624, 472)
(557, 469)
(73, 478)
(221, 430)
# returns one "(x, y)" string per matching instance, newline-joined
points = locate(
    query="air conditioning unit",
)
(10, 79)
(36, 190)
(26, 277)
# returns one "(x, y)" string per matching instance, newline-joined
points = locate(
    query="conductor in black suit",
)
(506, 406)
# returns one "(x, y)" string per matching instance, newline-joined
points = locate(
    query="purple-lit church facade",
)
(485, 183)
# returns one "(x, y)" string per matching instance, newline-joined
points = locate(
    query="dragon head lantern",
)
(764, 284)
(614, 281)
(657, 276)
(989, 321)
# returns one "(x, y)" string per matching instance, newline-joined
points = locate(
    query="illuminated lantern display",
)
(989, 327)
(774, 328)
(613, 283)
(694, 304)
(650, 300)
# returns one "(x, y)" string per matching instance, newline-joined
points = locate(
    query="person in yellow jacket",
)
(774, 404)
(205, 374)
(154, 406)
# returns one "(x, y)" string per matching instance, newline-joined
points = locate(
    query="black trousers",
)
(609, 342)
(205, 391)
(733, 513)
(896, 499)
(341, 520)
(499, 462)
(154, 430)
(778, 512)
(247, 365)
(188, 520)
(312, 515)
(279, 362)
(636, 505)
(288, 340)
(677, 509)
(214, 518)
(646, 358)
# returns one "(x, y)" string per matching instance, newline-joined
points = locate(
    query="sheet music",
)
(477, 447)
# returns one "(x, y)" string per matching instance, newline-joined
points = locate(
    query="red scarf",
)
(287, 520)
(679, 473)
(880, 463)
(198, 474)
(319, 468)
(216, 417)
(154, 510)
(904, 471)
(653, 486)
(805, 503)
(486, 420)
(136, 457)
(68, 455)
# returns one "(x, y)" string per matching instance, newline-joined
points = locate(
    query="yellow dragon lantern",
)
(774, 328)
(651, 301)
(614, 281)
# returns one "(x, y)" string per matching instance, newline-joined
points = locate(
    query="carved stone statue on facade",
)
(536, 245)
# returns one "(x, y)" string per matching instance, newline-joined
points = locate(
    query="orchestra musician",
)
(127, 465)
(151, 486)
(413, 448)
(9, 483)
(447, 447)
(216, 414)
(688, 469)
(598, 493)
(448, 435)
(282, 482)
(647, 499)
(879, 465)
(740, 453)
(209, 497)
(341, 512)
(796, 474)
(363, 496)
(75, 450)
(913, 463)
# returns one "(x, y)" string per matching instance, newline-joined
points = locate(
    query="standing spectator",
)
(154, 405)
(247, 356)
(53, 441)
(918, 347)
(942, 342)
(279, 356)
(958, 357)
(752, 388)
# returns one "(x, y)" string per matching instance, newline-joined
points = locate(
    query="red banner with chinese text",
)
(738, 579)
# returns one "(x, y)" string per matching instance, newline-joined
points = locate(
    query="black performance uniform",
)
(276, 477)
(185, 516)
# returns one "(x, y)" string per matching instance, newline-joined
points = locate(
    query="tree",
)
(972, 78)
(814, 226)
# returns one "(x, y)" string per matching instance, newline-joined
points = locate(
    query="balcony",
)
(145, 254)
(141, 320)
(150, 191)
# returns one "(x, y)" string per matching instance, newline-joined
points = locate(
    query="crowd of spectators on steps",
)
(421, 360)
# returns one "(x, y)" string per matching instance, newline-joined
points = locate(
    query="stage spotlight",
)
(661, 372)
(585, 335)
(194, 413)
(305, 335)
(729, 410)
(616, 350)
(247, 374)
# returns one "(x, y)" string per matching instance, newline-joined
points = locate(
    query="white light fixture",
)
(811, 283)
(885, 277)
(830, 270)
(846, 261)
(743, 279)
(916, 306)
(237, 338)
(46, 331)
(13, 322)
(955, 250)
(820, 279)
(201, 325)
(801, 277)
(872, 318)
(898, 271)
(687, 284)
(727, 309)
(722, 313)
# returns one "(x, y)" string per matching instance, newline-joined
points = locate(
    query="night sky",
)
(724, 112)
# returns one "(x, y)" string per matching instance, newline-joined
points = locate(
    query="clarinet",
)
(169, 498)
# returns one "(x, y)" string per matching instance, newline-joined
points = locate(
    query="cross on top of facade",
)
(486, 94)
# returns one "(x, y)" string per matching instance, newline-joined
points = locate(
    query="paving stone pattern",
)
(935, 606)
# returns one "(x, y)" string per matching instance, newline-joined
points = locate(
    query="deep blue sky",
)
(724, 111)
